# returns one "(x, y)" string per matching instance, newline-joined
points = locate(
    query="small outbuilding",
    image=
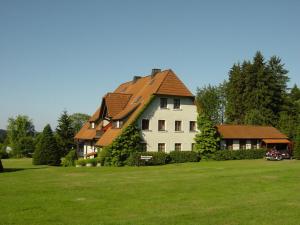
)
(236, 137)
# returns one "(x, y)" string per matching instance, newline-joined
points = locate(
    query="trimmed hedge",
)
(184, 156)
(239, 154)
(158, 158)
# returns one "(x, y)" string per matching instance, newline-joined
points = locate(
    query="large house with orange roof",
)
(159, 104)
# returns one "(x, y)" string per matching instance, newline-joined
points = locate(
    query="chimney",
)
(154, 72)
(135, 79)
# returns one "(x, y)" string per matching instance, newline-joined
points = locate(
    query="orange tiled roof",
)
(249, 132)
(136, 94)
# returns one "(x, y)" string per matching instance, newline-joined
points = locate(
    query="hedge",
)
(184, 156)
(158, 158)
(239, 154)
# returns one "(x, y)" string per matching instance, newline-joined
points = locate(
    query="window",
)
(176, 103)
(177, 146)
(161, 147)
(145, 124)
(93, 125)
(193, 146)
(242, 144)
(254, 144)
(163, 103)
(161, 125)
(192, 126)
(229, 144)
(144, 147)
(177, 125)
(117, 124)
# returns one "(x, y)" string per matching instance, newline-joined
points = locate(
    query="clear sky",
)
(61, 54)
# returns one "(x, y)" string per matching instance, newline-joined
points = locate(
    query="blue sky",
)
(61, 54)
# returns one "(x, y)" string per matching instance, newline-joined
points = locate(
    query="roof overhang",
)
(276, 141)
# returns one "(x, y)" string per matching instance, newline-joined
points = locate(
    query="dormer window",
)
(93, 125)
(117, 124)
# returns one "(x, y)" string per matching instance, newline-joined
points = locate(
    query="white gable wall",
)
(186, 113)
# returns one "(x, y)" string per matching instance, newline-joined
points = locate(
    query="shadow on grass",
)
(9, 170)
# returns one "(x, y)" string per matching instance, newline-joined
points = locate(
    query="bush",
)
(3, 154)
(184, 156)
(81, 162)
(104, 157)
(92, 161)
(239, 154)
(1, 167)
(158, 158)
(70, 158)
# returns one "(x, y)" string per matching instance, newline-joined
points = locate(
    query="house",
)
(159, 104)
(235, 137)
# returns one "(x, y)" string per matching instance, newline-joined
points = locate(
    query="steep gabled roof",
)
(136, 94)
(249, 132)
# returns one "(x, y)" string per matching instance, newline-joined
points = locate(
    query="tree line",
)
(46, 147)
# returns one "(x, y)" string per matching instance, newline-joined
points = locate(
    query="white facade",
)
(86, 148)
(186, 113)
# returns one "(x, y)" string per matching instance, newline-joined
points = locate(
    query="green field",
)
(233, 192)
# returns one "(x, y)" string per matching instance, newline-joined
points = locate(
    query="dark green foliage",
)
(78, 119)
(256, 91)
(3, 153)
(1, 167)
(47, 152)
(81, 162)
(210, 100)
(239, 154)
(25, 146)
(20, 133)
(124, 145)
(70, 159)
(92, 161)
(297, 144)
(207, 140)
(105, 157)
(3, 135)
(65, 133)
(184, 156)
(158, 158)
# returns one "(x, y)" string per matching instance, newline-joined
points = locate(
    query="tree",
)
(19, 129)
(256, 91)
(65, 133)
(123, 146)
(78, 119)
(1, 167)
(3, 135)
(297, 144)
(211, 101)
(46, 152)
(207, 140)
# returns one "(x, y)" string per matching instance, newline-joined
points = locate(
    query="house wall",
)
(87, 147)
(186, 113)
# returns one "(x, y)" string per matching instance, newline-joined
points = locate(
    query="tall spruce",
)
(256, 91)
(297, 143)
(65, 133)
(207, 140)
(46, 151)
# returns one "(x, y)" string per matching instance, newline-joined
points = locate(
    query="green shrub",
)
(104, 157)
(81, 162)
(70, 159)
(158, 158)
(92, 161)
(1, 167)
(184, 156)
(239, 154)
(3, 154)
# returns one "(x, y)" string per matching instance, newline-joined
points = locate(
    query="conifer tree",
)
(46, 151)
(65, 133)
(1, 167)
(297, 144)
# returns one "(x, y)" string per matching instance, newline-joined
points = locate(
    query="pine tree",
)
(65, 134)
(207, 140)
(47, 152)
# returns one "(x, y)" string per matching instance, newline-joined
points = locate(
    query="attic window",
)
(137, 99)
(93, 125)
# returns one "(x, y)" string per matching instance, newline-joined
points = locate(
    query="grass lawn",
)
(233, 192)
